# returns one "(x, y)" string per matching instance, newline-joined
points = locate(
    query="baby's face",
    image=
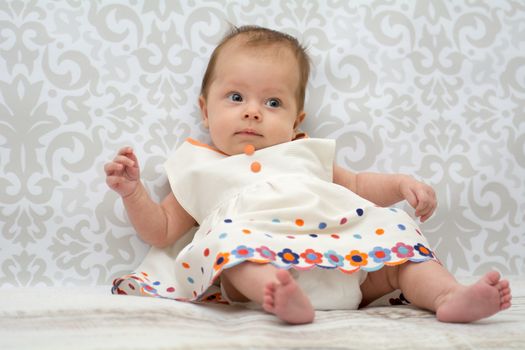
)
(252, 98)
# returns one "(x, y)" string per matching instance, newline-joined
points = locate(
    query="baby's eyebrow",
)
(274, 91)
(234, 84)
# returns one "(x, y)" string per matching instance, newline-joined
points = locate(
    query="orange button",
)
(256, 167)
(249, 150)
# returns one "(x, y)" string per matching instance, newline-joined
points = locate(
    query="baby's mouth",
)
(251, 132)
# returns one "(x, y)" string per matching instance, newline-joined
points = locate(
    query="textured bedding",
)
(92, 318)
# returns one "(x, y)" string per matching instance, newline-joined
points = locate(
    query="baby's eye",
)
(273, 103)
(235, 97)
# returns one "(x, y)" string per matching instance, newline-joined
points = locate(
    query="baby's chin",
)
(244, 147)
(230, 151)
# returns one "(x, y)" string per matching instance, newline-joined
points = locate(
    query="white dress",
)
(278, 206)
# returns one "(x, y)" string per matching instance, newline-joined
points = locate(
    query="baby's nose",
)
(252, 112)
(254, 116)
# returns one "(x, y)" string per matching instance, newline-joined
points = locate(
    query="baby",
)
(280, 226)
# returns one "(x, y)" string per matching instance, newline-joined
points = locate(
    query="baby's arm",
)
(388, 189)
(157, 224)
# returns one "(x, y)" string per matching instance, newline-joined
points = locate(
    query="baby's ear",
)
(204, 111)
(299, 119)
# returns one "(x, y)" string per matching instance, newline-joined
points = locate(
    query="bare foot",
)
(470, 303)
(287, 301)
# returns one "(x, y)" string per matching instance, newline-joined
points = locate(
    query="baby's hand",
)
(123, 174)
(420, 196)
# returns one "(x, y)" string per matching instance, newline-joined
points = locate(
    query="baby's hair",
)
(261, 37)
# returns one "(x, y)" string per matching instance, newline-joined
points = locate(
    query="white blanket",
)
(92, 318)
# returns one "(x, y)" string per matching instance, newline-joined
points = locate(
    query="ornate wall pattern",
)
(430, 88)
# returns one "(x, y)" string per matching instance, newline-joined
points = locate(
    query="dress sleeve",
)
(177, 167)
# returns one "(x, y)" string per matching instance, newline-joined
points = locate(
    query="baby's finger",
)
(424, 218)
(132, 156)
(427, 213)
(113, 181)
(431, 194)
(411, 198)
(424, 209)
(112, 168)
(125, 150)
(422, 201)
(128, 152)
(124, 160)
(424, 197)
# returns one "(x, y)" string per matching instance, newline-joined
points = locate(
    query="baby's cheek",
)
(291, 133)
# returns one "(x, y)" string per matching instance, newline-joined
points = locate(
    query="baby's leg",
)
(274, 289)
(430, 286)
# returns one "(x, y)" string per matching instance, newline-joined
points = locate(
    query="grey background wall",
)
(430, 88)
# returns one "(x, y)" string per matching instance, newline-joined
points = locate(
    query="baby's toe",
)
(504, 284)
(493, 277)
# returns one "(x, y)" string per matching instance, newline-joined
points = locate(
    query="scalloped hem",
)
(140, 283)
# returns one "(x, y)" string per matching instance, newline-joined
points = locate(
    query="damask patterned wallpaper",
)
(435, 89)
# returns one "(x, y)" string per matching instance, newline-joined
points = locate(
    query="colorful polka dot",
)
(223, 235)
(322, 225)
(206, 252)
(185, 265)
(288, 256)
(334, 258)
(380, 231)
(380, 254)
(312, 257)
(359, 212)
(299, 222)
(243, 251)
(290, 237)
(402, 227)
(313, 235)
(423, 250)
(228, 221)
(249, 150)
(170, 289)
(246, 231)
(357, 236)
(255, 167)
(191, 280)
(343, 221)
(266, 253)
(335, 236)
(357, 258)
(276, 221)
